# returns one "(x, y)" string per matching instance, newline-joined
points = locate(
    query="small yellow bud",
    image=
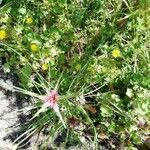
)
(45, 66)
(29, 20)
(34, 47)
(78, 67)
(116, 53)
(2, 34)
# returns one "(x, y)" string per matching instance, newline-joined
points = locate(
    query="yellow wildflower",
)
(2, 34)
(116, 53)
(34, 47)
(45, 66)
(29, 20)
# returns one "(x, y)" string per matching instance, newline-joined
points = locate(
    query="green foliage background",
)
(77, 38)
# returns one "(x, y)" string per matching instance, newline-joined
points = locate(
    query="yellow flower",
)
(34, 47)
(45, 66)
(2, 34)
(116, 53)
(29, 20)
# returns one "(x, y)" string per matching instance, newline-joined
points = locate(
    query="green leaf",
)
(146, 81)
(135, 138)
(4, 8)
(6, 67)
(24, 75)
(105, 111)
(57, 9)
(22, 11)
(62, 2)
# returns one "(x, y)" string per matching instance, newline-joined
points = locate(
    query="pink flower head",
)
(51, 99)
